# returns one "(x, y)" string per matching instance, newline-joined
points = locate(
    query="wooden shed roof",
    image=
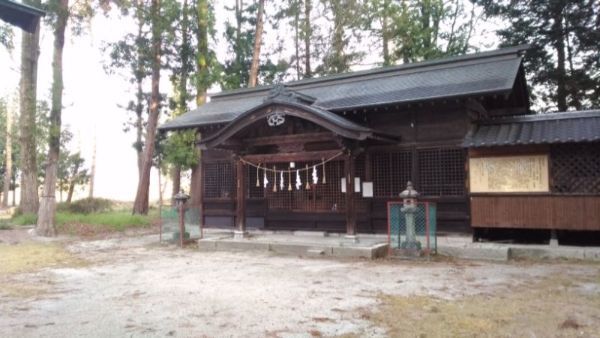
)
(20, 15)
(564, 127)
(493, 72)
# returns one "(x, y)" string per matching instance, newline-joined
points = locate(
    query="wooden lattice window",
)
(575, 168)
(361, 204)
(254, 191)
(391, 171)
(320, 197)
(441, 172)
(219, 180)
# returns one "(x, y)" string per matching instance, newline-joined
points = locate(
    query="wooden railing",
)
(536, 212)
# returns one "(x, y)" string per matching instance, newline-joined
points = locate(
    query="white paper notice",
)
(367, 189)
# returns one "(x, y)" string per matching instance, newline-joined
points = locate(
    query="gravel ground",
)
(135, 287)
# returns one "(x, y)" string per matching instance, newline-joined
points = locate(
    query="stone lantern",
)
(409, 209)
(180, 200)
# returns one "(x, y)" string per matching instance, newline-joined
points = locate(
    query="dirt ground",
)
(132, 286)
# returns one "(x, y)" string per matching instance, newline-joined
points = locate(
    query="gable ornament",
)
(275, 119)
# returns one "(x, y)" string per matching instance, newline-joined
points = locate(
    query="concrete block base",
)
(310, 248)
(476, 252)
(240, 234)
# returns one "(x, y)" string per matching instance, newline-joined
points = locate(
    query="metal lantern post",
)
(409, 201)
(180, 200)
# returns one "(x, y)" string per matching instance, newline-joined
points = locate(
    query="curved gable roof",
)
(321, 117)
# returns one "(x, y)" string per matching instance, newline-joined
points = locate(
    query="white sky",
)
(91, 98)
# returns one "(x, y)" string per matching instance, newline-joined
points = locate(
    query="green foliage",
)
(86, 206)
(564, 58)
(117, 220)
(422, 30)
(180, 149)
(346, 17)
(6, 36)
(113, 220)
(21, 220)
(71, 171)
(4, 111)
(239, 36)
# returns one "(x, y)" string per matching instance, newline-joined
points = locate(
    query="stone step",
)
(315, 252)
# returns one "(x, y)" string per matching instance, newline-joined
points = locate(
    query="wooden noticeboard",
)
(524, 173)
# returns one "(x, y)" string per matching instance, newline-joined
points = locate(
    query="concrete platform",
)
(465, 248)
(298, 244)
(369, 246)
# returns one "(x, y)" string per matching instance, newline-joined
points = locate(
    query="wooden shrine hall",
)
(328, 153)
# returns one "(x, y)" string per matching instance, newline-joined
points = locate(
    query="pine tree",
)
(258, 33)
(346, 17)
(132, 53)
(141, 203)
(563, 36)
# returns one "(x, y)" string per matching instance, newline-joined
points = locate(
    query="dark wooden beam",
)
(476, 107)
(508, 111)
(291, 157)
(240, 206)
(288, 139)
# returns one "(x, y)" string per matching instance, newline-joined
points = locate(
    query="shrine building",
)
(327, 154)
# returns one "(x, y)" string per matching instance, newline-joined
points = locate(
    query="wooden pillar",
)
(369, 178)
(197, 187)
(240, 205)
(350, 207)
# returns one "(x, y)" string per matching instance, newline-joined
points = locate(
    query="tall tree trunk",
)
(307, 38)
(257, 44)
(160, 192)
(185, 55)
(14, 190)
(297, 36)
(140, 205)
(196, 180)
(92, 171)
(572, 87)
(139, 107)
(8, 160)
(182, 90)
(29, 60)
(70, 191)
(338, 38)
(45, 223)
(139, 126)
(239, 7)
(202, 84)
(559, 45)
(202, 55)
(385, 34)
(176, 177)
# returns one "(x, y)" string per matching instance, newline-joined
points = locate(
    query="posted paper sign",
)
(367, 189)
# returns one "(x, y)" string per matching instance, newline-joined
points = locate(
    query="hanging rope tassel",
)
(324, 176)
(274, 179)
(265, 180)
(298, 181)
(307, 180)
(257, 172)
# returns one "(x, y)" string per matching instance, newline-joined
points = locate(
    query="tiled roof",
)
(492, 72)
(565, 127)
(21, 15)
